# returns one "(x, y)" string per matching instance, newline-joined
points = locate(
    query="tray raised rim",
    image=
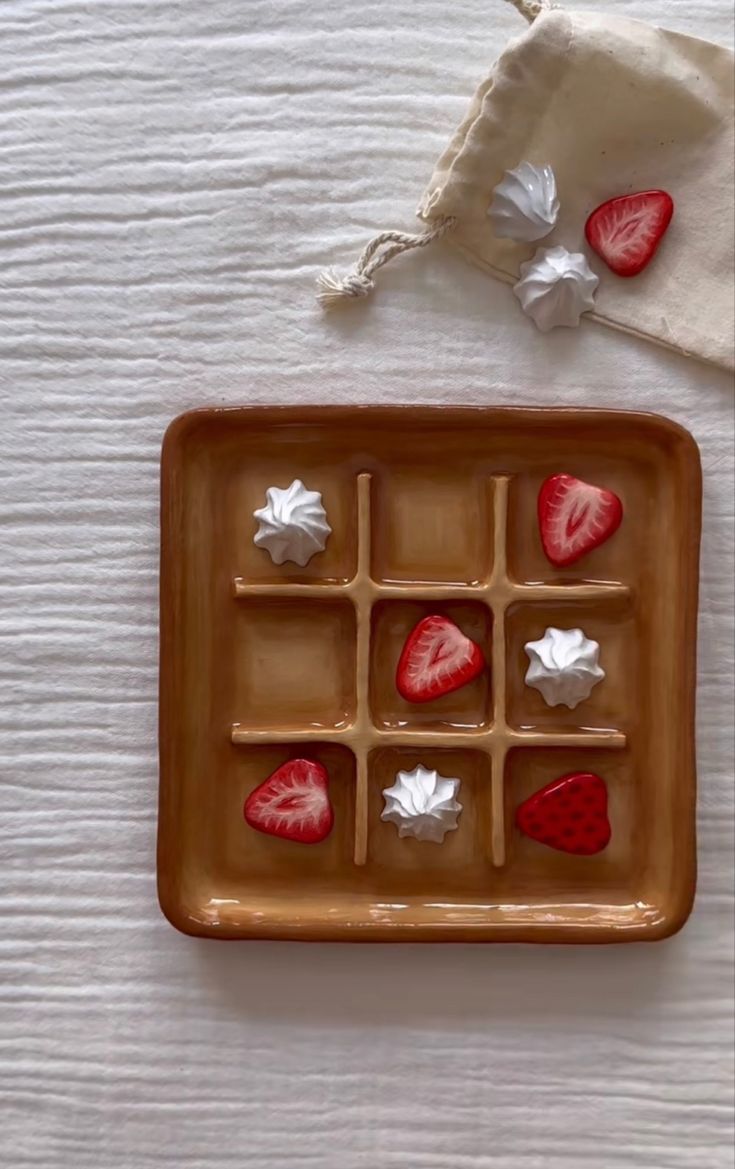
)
(433, 416)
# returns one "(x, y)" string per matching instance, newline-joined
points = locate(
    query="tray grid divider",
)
(362, 736)
(498, 592)
(496, 598)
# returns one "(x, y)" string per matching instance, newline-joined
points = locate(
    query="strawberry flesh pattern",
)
(436, 659)
(292, 803)
(626, 231)
(569, 814)
(575, 517)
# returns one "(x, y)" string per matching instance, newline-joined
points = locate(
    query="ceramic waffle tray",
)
(433, 511)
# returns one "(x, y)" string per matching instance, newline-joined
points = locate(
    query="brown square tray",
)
(431, 510)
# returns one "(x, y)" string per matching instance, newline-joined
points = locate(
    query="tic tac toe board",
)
(433, 510)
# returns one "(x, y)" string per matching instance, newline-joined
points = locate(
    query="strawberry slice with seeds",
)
(575, 517)
(436, 659)
(569, 814)
(292, 803)
(625, 232)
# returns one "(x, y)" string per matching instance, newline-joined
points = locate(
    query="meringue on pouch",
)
(555, 288)
(563, 666)
(292, 524)
(525, 205)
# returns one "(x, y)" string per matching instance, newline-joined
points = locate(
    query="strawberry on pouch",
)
(575, 517)
(625, 232)
(292, 803)
(436, 659)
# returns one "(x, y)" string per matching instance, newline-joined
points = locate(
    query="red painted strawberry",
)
(575, 517)
(569, 814)
(436, 659)
(625, 232)
(292, 803)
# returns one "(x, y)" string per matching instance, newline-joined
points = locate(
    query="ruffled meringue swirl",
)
(525, 205)
(293, 524)
(421, 803)
(555, 288)
(563, 666)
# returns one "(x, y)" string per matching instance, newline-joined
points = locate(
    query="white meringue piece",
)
(422, 803)
(564, 666)
(556, 287)
(293, 524)
(525, 205)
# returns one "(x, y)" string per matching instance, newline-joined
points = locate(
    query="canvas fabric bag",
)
(615, 106)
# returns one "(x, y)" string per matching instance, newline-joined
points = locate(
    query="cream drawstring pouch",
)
(614, 106)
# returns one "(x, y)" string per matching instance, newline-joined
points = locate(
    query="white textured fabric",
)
(173, 176)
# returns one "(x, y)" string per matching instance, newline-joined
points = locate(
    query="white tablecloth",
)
(173, 175)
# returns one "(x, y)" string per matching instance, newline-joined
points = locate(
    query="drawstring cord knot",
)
(333, 290)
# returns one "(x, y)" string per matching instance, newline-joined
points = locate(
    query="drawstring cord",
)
(333, 290)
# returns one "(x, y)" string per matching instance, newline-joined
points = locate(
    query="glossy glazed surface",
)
(261, 664)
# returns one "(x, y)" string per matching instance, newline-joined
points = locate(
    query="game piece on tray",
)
(525, 205)
(569, 814)
(575, 517)
(563, 666)
(436, 659)
(625, 232)
(555, 288)
(293, 524)
(292, 803)
(422, 803)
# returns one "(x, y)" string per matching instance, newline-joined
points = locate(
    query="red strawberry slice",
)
(575, 517)
(436, 659)
(569, 814)
(625, 232)
(292, 803)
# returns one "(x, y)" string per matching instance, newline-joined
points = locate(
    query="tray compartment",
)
(546, 873)
(244, 491)
(628, 471)
(292, 664)
(414, 867)
(239, 854)
(611, 622)
(469, 708)
(431, 524)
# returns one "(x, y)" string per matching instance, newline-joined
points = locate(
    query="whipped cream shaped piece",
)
(422, 803)
(563, 666)
(293, 524)
(525, 205)
(555, 288)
